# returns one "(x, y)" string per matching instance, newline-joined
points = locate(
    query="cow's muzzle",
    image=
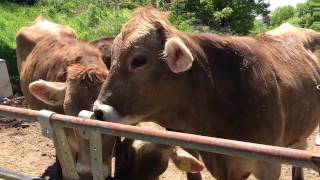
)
(105, 112)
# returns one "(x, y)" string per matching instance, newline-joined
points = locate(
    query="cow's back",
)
(301, 100)
(28, 37)
(42, 63)
(267, 83)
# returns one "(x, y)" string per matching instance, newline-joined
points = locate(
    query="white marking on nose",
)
(109, 113)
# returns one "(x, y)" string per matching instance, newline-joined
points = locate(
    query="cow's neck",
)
(207, 104)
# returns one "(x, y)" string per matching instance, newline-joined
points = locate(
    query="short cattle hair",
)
(89, 74)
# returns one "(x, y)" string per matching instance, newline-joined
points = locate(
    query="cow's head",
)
(150, 74)
(77, 93)
(136, 159)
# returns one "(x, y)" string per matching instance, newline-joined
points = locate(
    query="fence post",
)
(95, 143)
(5, 85)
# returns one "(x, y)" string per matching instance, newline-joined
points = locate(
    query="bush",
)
(315, 26)
(281, 15)
(258, 28)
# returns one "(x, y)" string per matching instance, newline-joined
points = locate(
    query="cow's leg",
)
(59, 169)
(297, 172)
(227, 168)
(194, 176)
(267, 171)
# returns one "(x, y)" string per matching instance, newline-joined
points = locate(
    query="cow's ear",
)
(51, 93)
(185, 161)
(178, 55)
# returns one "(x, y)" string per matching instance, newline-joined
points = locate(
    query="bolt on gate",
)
(52, 126)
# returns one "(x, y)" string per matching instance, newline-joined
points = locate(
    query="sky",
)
(276, 3)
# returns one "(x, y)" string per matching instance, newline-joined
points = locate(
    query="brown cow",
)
(141, 160)
(72, 72)
(257, 89)
(288, 32)
(124, 169)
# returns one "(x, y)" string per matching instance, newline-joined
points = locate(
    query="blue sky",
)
(276, 3)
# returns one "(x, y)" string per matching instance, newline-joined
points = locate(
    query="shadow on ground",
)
(53, 172)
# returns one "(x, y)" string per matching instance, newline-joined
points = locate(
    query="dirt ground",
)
(24, 149)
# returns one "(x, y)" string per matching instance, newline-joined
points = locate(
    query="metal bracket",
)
(318, 140)
(318, 137)
(95, 142)
(43, 118)
(97, 167)
(86, 115)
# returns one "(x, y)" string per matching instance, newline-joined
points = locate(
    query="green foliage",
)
(281, 15)
(231, 16)
(315, 14)
(300, 15)
(258, 28)
(315, 26)
(304, 14)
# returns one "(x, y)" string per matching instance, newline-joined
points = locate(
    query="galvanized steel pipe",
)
(202, 143)
(14, 175)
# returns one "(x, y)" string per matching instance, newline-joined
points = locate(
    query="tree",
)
(302, 15)
(281, 15)
(223, 15)
(315, 15)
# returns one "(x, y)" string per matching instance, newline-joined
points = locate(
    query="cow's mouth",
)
(108, 113)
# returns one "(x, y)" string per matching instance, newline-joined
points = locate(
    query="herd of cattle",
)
(258, 89)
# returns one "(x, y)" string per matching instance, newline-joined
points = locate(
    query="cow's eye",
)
(138, 61)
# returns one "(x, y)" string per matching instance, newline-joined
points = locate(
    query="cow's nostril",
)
(98, 114)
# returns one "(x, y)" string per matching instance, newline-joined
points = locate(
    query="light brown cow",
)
(141, 160)
(257, 89)
(288, 32)
(71, 73)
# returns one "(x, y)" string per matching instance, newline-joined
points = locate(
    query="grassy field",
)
(90, 20)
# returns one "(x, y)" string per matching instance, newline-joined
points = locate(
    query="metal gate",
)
(52, 125)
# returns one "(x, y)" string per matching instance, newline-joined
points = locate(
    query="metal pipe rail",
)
(197, 142)
(14, 175)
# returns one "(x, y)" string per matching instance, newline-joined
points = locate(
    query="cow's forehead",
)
(130, 38)
(140, 28)
(124, 43)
